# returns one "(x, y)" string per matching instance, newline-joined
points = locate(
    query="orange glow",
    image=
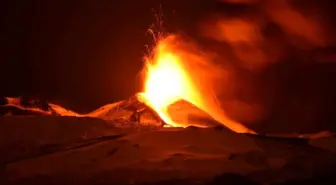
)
(177, 73)
(166, 82)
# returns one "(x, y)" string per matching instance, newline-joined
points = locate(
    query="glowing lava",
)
(174, 74)
(175, 70)
(166, 81)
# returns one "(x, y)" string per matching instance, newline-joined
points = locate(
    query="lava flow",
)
(174, 73)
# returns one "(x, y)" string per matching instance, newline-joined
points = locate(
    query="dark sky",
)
(82, 52)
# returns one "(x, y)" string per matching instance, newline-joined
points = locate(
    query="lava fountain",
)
(176, 71)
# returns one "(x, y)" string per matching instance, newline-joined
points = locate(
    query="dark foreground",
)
(69, 150)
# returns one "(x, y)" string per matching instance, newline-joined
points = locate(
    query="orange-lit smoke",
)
(255, 43)
(178, 70)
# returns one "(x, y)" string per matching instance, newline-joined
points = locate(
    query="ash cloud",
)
(280, 58)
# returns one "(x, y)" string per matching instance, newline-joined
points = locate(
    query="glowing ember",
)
(174, 74)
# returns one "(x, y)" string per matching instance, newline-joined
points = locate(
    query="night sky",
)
(83, 53)
(87, 53)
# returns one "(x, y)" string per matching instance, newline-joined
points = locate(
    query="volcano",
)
(126, 113)
(128, 143)
(173, 131)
